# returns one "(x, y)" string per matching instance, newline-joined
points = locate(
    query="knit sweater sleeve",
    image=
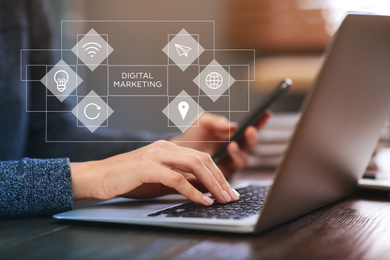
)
(35, 187)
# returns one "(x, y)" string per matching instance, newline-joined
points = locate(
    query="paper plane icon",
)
(182, 50)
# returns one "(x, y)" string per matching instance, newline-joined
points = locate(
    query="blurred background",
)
(289, 37)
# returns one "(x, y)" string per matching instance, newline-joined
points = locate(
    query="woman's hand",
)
(214, 127)
(157, 169)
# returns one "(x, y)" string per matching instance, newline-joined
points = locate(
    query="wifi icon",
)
(92, 48)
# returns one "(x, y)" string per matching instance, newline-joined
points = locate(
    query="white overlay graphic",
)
(182, 50)
(187, 48)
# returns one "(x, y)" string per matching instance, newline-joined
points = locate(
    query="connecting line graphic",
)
(216, 83)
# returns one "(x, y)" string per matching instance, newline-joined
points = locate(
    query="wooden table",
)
(355, 228)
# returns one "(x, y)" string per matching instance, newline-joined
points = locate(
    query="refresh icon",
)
(97, 107)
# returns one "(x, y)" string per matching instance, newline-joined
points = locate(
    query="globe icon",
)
(214, 80)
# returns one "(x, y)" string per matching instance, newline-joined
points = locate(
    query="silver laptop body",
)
(339, 128)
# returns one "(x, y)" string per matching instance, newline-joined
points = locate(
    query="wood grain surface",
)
(355, 228)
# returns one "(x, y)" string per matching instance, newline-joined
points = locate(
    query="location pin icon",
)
(183, 109)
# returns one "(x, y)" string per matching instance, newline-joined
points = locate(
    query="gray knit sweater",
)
(40, 186)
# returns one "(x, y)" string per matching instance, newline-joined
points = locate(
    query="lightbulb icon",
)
(61, 77)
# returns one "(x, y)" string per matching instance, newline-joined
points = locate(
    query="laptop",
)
(333, 141)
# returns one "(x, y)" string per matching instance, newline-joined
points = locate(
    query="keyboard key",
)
(250, 203)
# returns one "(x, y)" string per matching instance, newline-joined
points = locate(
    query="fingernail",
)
(225, 121)
(207, 200)
(226, 196)
(236, 148)
(234, 194)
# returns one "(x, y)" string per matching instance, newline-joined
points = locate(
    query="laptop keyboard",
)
(250, 203)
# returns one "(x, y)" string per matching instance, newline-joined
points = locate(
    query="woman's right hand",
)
(154, 170)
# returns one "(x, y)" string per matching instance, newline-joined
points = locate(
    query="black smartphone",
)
(281, 89)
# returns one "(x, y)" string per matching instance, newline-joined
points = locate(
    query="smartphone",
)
(281, 89)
